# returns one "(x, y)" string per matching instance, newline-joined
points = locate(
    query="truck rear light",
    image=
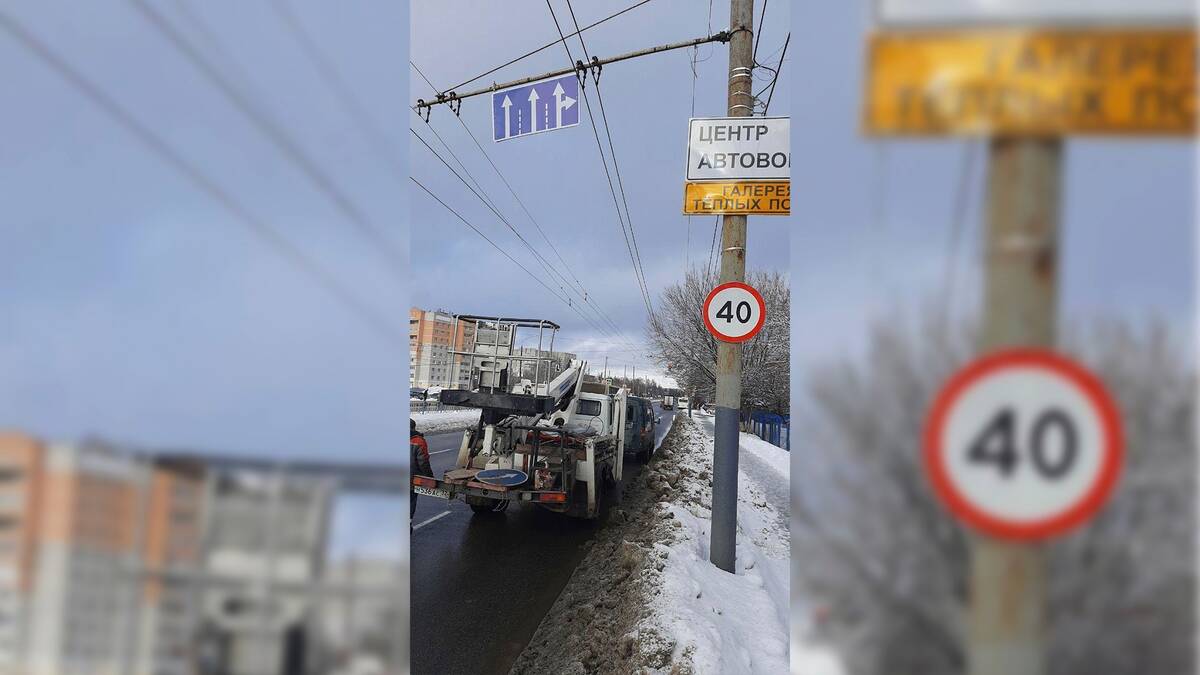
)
(425, 481)
(557, 497)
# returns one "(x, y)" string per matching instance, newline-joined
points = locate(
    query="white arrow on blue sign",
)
(536, 107)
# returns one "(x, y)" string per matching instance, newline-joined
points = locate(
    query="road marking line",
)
(441, 451)
(440, 515)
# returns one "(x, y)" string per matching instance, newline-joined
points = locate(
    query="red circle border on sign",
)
(1046, 528)
(762, 311)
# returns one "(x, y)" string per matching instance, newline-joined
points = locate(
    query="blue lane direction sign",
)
(502, 477)
(536, 107)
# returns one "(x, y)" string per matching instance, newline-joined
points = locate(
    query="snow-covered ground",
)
(737, 623)
(439, 421)
(721, 622)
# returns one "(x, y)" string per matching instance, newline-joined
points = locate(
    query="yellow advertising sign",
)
(1031, 82)
(750, 198)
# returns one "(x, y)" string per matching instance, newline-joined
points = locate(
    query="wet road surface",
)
(480, 584)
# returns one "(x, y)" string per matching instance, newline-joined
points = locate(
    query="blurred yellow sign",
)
(1031, 82)
(751, 198)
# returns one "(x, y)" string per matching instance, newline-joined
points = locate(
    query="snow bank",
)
(441, 421)
(721, 622)
(645, 599)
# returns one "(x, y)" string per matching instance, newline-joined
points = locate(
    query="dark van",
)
(639, 427)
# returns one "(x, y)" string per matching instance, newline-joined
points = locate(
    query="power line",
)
(603, 161)
(278, 137)
(513, 192)
(617, 170)
(158, 146)
(776, 80)
(387, 150)
(713, 248)
(585, 295)
(758, 38)
(487, 202)
(514, 231)
(639, 271)
(544, 47)
(504, 253)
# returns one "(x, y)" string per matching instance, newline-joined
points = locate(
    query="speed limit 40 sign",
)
(1023, 444)
(734, 312)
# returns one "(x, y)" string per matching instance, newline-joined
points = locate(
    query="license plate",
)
(432, 492)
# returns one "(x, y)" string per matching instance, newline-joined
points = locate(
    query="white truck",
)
(544, 437)
(668, 402)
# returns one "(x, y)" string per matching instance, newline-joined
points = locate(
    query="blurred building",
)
(76, 522)
(115, 562)
(362, 626)
(431, 337)
(559, 361)
(264, 551)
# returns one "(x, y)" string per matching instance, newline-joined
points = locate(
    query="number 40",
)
(996, 444)
(726, 312)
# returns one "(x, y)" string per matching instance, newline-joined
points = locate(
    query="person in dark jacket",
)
(420, 461)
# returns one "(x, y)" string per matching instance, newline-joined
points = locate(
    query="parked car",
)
(640, 422)
(417, 394)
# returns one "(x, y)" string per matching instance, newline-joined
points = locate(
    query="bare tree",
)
(888, 564)
(681, 343)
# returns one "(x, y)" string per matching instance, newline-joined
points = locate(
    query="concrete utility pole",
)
(1006, 633)
(722, 549)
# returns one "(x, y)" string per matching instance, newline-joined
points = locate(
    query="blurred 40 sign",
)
(734, 312)
(1023, 444)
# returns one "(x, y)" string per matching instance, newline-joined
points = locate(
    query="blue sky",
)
(559, 175)
(135, 307)
(873, 222)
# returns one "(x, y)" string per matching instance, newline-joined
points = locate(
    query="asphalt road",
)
(480, 585)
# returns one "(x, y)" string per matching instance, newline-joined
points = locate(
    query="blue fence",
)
(772, 428)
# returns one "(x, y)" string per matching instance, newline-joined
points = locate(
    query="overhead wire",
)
(278, 137)
(504, 220)
(503, 252)
(547, 46)
(776, 78)
(388, 151)
(583, 292)
(603, 161)
(158, 146)
(586, 295)
(638, 268)
(758, 38)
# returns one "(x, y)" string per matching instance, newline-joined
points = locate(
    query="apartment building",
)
(432, 335)
(80, 525)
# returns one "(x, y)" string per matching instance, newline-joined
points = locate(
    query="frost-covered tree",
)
(886, 565)
(681, 343)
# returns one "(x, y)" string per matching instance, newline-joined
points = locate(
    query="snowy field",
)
(440, 421)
